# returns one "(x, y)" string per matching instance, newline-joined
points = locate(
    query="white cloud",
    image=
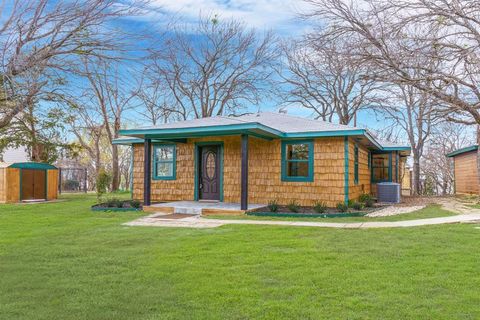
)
(279, 15)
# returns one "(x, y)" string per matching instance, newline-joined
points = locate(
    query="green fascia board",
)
(205, 130)
(254, 128)
(463, 150)
(129, 142)
(32, 165)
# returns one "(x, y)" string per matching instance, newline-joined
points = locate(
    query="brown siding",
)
(264, 173)
(3, 185)
(466, 180)
(13, 184)
(52, 184)
(363, 186)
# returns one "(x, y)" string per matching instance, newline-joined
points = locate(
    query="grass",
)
(62, 261)
(431, 211)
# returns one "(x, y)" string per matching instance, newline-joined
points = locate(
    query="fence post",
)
(85, 180)
(59, 180)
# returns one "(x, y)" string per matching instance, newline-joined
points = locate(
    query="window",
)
(164, 162)
(297, 161)
(380, 167)
(356, 164)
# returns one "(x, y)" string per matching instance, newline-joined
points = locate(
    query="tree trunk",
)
(416, 173)
(115, 169)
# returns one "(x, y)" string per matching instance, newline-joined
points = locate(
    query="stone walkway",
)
(156, 220)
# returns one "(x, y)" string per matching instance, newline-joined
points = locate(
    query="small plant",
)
(350, 203)
(293, 206)
(365, 197)
(342, 207)
(320, 207)
(135, 204)
(114, 203)
(357, 206)
(103, 181)
(273, 206)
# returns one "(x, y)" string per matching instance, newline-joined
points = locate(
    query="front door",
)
(209, 182)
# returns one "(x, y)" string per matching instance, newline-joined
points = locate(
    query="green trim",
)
(396, 148)
(32, 165)
(206, 130)
(132, 159)
(113, 209)
(397, 160)
(390, 167)
(132, 141)
(173, 161)
(369, 160)
(306, 215)
(355, 167)
(463, 150)
(345, 174)
(196, 160)
(310, 161)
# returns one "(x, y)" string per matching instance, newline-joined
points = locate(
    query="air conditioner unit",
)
(389, 192)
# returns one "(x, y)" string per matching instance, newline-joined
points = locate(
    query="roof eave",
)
(462, 150)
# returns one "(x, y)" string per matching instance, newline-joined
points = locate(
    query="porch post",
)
(147, 153)
(244, 175)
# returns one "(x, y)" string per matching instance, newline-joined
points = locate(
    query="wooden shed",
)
(28, 181)
(465, 170)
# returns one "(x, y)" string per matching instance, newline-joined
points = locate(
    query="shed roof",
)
(27, 165)
(463, 150)
(264, 124)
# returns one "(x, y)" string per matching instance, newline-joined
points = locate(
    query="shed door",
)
(33, 184)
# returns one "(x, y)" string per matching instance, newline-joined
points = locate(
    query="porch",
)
(199, 207)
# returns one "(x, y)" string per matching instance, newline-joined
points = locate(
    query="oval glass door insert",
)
(211, 165)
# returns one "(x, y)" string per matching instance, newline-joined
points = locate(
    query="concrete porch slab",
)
(199, 207)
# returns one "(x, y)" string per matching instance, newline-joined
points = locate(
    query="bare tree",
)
(224, 67)
(446, 137)
(320, 78)
(389, 32)
(38, 37)
(412, 111)
(109, 97)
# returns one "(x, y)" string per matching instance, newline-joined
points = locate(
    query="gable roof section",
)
(462, 151)
(267, 125)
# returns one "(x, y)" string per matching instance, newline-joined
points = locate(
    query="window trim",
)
(310, 161)
(174, 161)
(389, 167)
(355, 164)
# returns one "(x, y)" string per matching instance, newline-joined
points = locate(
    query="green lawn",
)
(61, 261)
(431, 211)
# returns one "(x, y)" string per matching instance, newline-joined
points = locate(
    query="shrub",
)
(357, 206)
(320, 207)
(273, 206)
(342, 207)
(103, 181)
(135, 204)
(293, 206)
(365, 197)
(114, 203)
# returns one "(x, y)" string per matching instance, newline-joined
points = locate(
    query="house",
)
(465, 170)
(258, 158)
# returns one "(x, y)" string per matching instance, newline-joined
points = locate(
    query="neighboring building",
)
(259, 158)
(465, 170)
(11, 155)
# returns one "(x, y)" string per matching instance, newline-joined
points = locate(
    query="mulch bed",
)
(125, 205)
(309, 210)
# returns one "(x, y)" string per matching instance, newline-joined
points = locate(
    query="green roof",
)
(32, 165)
(463, 150)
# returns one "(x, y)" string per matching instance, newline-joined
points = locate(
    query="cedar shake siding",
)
(466, 176)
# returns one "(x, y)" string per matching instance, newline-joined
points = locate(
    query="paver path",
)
(156, 220)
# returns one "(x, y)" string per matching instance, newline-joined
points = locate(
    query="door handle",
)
(200, 186)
